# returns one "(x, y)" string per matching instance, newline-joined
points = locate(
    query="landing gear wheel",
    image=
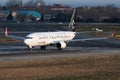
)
(59, 48)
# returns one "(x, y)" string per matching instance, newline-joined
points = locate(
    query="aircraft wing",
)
(75, 40)
(14, 37)
(83, 32)
(88, 39)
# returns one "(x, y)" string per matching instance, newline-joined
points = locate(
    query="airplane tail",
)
(72, 22)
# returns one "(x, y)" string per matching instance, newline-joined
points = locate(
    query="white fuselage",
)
(46, 38)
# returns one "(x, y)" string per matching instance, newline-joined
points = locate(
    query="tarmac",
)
(19, 52)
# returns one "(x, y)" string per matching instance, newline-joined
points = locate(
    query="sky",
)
(77, 3)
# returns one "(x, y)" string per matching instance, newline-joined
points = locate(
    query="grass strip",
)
(81, 68)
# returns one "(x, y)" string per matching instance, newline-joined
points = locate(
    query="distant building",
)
(22, 15)
(51, 11)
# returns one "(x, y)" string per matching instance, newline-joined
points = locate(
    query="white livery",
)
(43, 39)
(46, 38)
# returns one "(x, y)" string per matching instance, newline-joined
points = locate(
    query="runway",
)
(20, 53)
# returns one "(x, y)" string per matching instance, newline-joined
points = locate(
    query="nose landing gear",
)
(30, 48)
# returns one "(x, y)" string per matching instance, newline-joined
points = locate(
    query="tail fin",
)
(6, 32)
(71, 24)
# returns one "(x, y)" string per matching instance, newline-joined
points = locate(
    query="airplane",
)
(58, 38)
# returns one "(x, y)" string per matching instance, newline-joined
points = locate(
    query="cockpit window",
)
(28, 37)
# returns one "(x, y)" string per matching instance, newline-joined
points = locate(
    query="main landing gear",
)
(43, 47)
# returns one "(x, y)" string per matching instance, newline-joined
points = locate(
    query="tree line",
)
(98, 14)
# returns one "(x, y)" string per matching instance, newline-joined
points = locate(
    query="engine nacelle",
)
(61, 45)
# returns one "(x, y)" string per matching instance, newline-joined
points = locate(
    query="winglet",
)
(112, 34)
(6, 32)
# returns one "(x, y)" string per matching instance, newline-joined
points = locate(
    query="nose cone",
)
(26, 41)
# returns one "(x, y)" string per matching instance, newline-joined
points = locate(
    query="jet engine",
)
(61, 45)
